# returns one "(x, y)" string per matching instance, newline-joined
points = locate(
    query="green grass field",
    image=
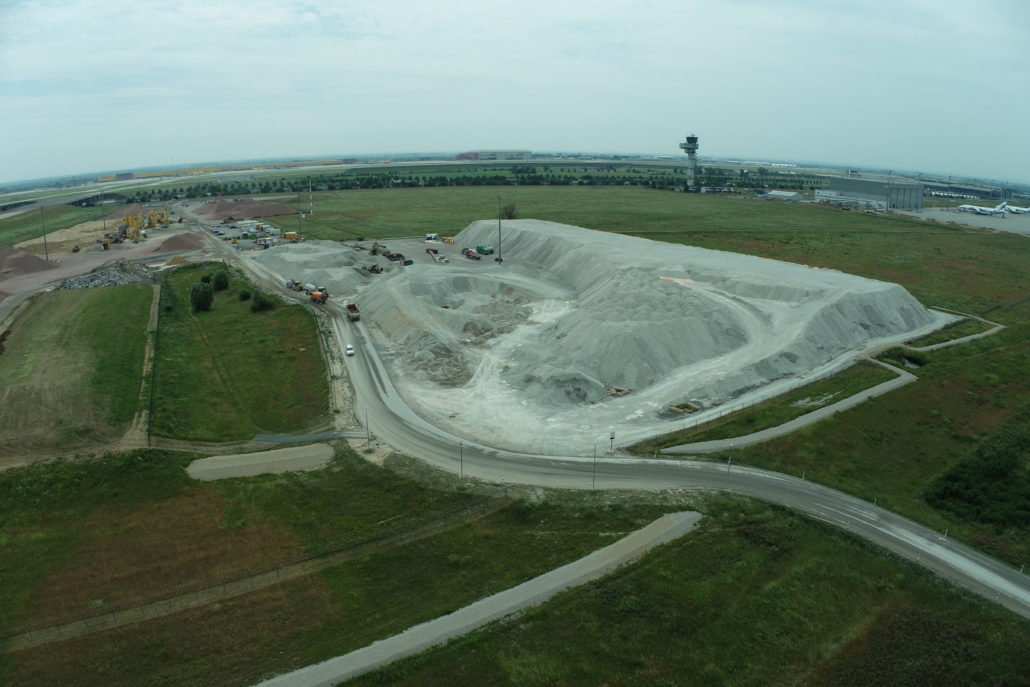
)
(230, 373)
(802, 602)
(756, 597)
(30, 224)
(72, 365)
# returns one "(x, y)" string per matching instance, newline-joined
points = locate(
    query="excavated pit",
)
(579, 333)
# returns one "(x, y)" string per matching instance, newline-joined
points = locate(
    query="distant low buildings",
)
(496, 155)
(876, 192)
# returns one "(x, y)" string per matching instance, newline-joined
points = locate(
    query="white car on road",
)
(348, 349)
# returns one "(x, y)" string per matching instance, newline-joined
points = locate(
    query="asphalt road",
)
(391, 420)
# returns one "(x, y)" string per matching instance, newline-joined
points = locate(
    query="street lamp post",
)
(612, 439)
(499, 259)
(593, 479)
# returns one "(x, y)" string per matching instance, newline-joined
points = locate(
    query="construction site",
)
(577, 334)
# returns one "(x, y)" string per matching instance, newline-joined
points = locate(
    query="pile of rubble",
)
(116, 272)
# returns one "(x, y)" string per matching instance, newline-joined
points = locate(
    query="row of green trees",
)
(521, 175)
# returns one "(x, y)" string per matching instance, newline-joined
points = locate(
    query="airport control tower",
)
(690, 148)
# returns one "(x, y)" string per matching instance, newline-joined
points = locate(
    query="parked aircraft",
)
(1017, 211)
(997, 210)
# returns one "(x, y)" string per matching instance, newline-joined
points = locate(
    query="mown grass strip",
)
(82, 387)
(231, 373)
(774, 412)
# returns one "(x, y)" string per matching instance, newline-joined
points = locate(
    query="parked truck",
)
(352, 312)
(485, 250)
(470, 254)
(319, 296)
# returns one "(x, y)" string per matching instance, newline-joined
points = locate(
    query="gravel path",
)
(496, 607)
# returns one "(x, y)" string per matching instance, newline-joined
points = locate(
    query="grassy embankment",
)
(71, 368)
(793, 404)
(29, 225)
(756, 597)
(230, 373)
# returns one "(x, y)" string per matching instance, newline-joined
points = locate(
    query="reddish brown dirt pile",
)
(219, 209)
(14, 263)
(180, 242)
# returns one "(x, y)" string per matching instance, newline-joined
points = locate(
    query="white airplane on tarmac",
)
(1017, 211)
(998, 210)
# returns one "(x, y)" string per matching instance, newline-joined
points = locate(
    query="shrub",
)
(206, 279)
(244, 295)
(201, 296)
(261, 302)
(220, 280)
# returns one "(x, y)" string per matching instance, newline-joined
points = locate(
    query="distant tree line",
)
(661, 178)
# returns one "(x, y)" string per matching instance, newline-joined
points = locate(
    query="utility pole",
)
(461, 460)
(593, 480)
(499, 259)
(42, 226)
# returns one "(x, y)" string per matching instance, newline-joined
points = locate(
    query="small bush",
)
(261, 302)
(220, 280)
(202, 296)
(244, 295)
(206, 279)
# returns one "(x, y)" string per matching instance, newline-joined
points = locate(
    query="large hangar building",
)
(877, 192)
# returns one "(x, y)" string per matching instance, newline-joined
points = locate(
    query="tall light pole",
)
(499, 259)
(42, 228)
(593, 479)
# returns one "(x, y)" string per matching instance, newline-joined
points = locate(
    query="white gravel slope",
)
(525, 355)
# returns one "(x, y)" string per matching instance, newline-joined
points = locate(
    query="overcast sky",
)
(920, 85)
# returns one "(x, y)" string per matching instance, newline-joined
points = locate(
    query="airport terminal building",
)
(879, 193)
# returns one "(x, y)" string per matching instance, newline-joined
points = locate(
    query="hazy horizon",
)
(911, 86)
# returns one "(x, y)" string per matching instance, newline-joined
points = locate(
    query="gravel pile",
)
(324, 263)
(116, 272)
(14, 263)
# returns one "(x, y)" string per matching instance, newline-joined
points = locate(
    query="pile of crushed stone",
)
(184, 241)
(14, 263)
(220, 209)
(536, 347)
(118, 272)
(335, 266)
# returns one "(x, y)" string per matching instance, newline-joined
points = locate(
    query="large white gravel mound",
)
(537, 353)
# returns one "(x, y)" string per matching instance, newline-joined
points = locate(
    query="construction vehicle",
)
(432, 251)
(294, 285)
(319, 296)
(393, 256)
(470, 254)
(75, 249)
(290, 236)
(408, 262)
(485, 250)
(374, 269)
(352, 312)
(432, 237)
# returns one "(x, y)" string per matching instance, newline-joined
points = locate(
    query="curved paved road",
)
(393, 421)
